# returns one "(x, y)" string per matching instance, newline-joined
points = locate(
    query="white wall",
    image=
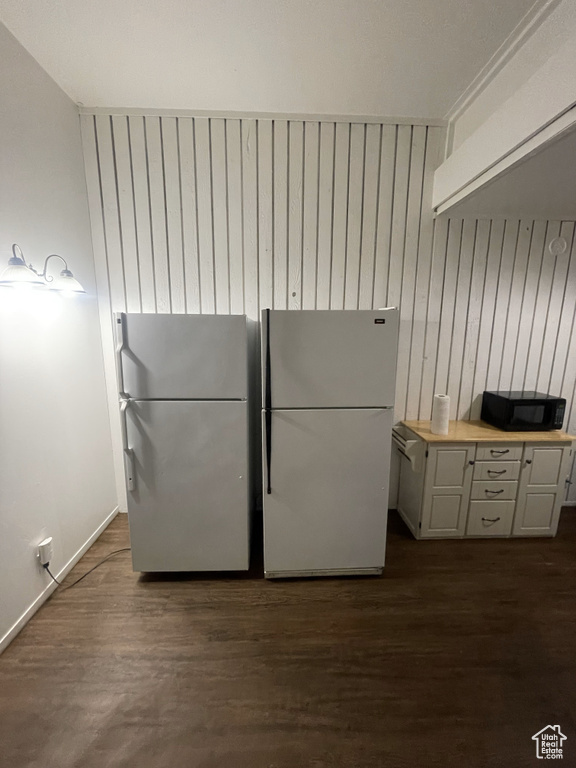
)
(553, 32)
(56, 473)
(227, 215)
(399, 57)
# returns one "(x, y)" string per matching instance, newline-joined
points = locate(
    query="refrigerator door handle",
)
(119, 326)
(129, 469)
(268, 407)
(124, 404)
(128, 452)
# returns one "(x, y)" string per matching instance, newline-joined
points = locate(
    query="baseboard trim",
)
(45, 594)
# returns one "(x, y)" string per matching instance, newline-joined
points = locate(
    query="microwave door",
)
(528, 415)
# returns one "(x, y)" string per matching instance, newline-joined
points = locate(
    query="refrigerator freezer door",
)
(331, 358)
(328, 508)
(185, 357)
(189, 509)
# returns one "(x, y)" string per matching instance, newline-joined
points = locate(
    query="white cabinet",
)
(541, 490)
(482, 488)
(447, 484)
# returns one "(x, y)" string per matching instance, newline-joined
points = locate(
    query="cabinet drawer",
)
(490, 518)
(499, 451)
(496, 470)
(494, 490)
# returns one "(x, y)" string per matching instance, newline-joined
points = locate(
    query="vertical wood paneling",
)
(487, 311)
(355, 216)
(203, 155)
(280, 213)
(141, 194)
(189, 214)
(172, 196)
(527, 303)
(474, 313)
(566, 325)
(157, 191)
(325, 214)
(433, 314)
(295, 212)
(369, 216)
(310, 213)
(385, 206)
(399, 210)
(229, 215)
(409, 262)
(563, 282)
(235, 230)
(504, 281)
(451, 268)
(540, 315)
(250, 215)
(220, 216)
(126, 212)
(265, 215)
(423, 279)
(514, 309)
(463, 285)
(110, 212)
(339, 214)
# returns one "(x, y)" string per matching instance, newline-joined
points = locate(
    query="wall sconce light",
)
(19, 275)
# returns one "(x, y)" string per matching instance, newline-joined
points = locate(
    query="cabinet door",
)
(541, 489)
(447, 490)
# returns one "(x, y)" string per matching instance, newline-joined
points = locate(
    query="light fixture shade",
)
(18, 274)
(65, 281)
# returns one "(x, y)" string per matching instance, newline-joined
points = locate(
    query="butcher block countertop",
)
(478, 431)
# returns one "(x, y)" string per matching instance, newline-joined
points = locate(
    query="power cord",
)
(52, 575)
(69, 586)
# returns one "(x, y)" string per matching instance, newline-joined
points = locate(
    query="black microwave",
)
(523, 411)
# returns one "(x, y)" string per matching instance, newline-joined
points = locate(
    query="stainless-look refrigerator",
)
(183, 382)
(328, 381)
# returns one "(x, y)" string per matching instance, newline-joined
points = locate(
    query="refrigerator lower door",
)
(188, 507)
(328, 507)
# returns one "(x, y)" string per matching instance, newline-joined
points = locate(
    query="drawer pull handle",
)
(490, 519)
(495, 493)
(496, 452)
(495, 472)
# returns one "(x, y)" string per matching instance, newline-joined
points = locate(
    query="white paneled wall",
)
(234, 215)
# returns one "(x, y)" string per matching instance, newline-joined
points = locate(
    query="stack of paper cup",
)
(440, 415)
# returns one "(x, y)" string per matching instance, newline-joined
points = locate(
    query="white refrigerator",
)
(183, 382)
(328, 381)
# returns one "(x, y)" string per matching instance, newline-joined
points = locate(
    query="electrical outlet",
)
(45, 551)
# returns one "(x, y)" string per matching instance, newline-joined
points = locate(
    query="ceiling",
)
(409, 58)
(540, 187)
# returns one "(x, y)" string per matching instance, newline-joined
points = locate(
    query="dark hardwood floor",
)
(455, 657)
